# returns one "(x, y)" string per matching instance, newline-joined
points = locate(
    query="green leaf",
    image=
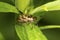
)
(42, 10)
(22, 4)
(49, 27)
(5, 7)
(55, 5)
(29, 32)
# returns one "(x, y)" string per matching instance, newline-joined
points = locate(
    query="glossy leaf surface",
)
(51, 6)
(29, 32)
(22, 4)
(50, 27)
(5, 7)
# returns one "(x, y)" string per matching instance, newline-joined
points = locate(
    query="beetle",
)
(25, 18)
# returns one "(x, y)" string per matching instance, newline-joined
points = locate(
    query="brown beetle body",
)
(24, 18)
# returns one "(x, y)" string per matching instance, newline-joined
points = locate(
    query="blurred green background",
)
(7, 23)
(7, 26)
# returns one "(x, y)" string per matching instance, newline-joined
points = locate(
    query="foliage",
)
(42, 12)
